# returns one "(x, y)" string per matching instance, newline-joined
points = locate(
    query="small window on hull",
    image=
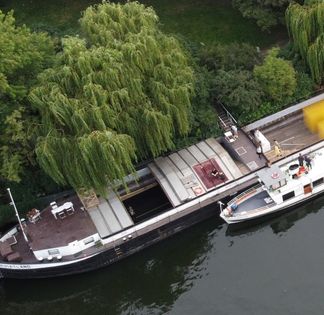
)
(318, 182)
(53, 252)
(288, 196)
(88, 240)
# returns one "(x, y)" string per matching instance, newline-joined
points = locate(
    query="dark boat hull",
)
(112, 255)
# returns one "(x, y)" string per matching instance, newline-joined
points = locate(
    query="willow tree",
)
(306, 28)
(121, 91)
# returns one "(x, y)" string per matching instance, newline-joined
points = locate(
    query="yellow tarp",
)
(313, 114)
(320, 128)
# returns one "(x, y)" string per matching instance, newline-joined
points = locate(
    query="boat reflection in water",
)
(150, 280)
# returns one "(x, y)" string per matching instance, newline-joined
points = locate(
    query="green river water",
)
(273, 268)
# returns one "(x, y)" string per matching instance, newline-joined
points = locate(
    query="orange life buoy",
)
(198, 190)
(275, 175)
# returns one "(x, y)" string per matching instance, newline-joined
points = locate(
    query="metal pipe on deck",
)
(17, 215)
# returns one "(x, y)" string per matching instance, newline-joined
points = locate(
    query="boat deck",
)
(187, 173)
(245, 151)
(23, 249)
(261, 199)
(292, 137)
(50, 232)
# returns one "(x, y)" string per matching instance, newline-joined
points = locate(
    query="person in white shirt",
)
(234, 130)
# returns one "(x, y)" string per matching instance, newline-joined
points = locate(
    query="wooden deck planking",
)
(51, 233)
(292, 137)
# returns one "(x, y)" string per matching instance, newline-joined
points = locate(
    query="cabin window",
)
(288, 196)
(88, 240)
(307, 189)
(318, 182)
(53, 252)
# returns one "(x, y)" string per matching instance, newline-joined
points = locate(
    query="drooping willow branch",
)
(306, 28)
(124, 88)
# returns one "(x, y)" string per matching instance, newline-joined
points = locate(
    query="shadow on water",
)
(147, 283)
(281, 222)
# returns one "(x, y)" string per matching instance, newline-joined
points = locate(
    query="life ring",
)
(198, 190)
(275, 175)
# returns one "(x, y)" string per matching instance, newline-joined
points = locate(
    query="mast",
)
(17, 215)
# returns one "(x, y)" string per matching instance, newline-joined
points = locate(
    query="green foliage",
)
(276, 76)
(29, 193)
(264, 109)
(203, 118)
(306, 28)
(238, 90)
(23, 55)
(229, 57)
(267, 13)
(304, 89)
(125, 88)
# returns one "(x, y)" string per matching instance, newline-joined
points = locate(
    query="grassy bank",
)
(203, 21)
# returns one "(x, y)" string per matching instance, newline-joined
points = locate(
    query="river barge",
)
(84, 232)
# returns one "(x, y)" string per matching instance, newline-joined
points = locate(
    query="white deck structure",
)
(110, 216)
(177, 177)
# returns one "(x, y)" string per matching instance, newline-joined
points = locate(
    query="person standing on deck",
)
(300, 160)
(308, 161)
(235, 132)
(277, 148)
(259, 150)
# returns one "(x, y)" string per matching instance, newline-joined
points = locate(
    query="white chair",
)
(61, 215)
(229, 136)
(70, 211)
(53, 204)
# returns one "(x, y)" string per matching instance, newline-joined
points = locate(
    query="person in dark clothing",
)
(300, 160)
(308, 161)
(214, 172)
(259, 150)
(222, 176)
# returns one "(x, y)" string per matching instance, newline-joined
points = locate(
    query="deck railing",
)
(229, 115)
(245, 193)
(222, 122)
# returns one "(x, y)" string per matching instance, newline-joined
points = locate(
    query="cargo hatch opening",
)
(144, 197)
(147, 204)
